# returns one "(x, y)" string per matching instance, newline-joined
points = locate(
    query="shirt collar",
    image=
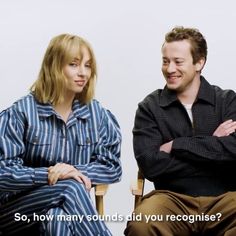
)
(206, 93)
(79, 110)
(45, 109)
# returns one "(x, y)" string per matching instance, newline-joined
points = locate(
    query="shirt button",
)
(88, 140)
(35, 140)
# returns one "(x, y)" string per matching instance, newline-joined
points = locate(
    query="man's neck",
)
(188, 96)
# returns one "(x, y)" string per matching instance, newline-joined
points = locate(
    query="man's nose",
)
(171, 67)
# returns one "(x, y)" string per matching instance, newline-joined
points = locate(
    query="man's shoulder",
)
(152, 98)
(223, 93)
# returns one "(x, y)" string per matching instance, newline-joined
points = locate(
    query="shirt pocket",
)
(86, 143)
(40, 147)
(87, 138)
(38, 137)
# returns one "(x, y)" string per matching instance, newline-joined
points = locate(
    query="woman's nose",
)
(81, 71)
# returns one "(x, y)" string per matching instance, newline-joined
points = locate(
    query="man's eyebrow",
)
(175, 58)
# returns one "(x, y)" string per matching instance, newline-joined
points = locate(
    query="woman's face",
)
(78, 72)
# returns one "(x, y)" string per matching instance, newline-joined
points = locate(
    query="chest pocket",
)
(86, 133)
(87, 138)
(38, 137)
(39, 146)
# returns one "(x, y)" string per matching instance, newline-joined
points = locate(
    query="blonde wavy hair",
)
(51, 81)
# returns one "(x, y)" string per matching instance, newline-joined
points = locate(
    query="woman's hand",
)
(65, 171)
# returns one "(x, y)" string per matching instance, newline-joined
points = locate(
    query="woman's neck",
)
(64, 108)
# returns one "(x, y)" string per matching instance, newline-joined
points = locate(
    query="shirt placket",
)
(63, 143)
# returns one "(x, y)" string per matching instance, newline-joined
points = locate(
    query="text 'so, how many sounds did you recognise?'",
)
(118, 217)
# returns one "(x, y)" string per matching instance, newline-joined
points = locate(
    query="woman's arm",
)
(105, 166)
(13, 174)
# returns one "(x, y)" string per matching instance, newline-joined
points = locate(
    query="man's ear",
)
(200, 64)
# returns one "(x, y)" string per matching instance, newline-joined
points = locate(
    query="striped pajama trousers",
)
(67, 198)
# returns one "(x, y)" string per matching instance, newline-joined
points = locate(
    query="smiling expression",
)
(177, 67)
(78, 72)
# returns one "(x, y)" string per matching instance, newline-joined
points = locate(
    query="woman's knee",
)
(72, 186)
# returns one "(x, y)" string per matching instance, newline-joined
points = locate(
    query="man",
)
(185, 142)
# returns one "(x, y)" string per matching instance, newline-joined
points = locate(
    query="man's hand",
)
(65, 171)
(166, 147)
(225, 129)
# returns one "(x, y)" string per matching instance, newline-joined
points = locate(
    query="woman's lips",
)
(80, 82)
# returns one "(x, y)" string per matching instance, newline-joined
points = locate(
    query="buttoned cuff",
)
(82, 169)
(40, 176)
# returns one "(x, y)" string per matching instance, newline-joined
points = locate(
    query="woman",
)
(54, 144)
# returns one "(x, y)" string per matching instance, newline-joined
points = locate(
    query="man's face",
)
(177, 67)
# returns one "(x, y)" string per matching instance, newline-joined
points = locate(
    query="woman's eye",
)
(73, 64)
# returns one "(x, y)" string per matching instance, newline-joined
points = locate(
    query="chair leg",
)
(99, 205)
(100, 191)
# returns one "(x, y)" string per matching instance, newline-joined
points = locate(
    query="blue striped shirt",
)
(33, 137)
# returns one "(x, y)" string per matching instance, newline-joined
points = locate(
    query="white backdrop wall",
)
(126, 36)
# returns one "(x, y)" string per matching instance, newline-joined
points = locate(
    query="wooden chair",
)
(100, 191)
(137, 188)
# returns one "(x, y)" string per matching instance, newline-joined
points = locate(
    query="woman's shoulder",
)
(101, 111)
(21, 103)
(95, 103)
(26, 102)
(95, 107)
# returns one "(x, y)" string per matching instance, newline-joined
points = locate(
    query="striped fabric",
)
(34, 137)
